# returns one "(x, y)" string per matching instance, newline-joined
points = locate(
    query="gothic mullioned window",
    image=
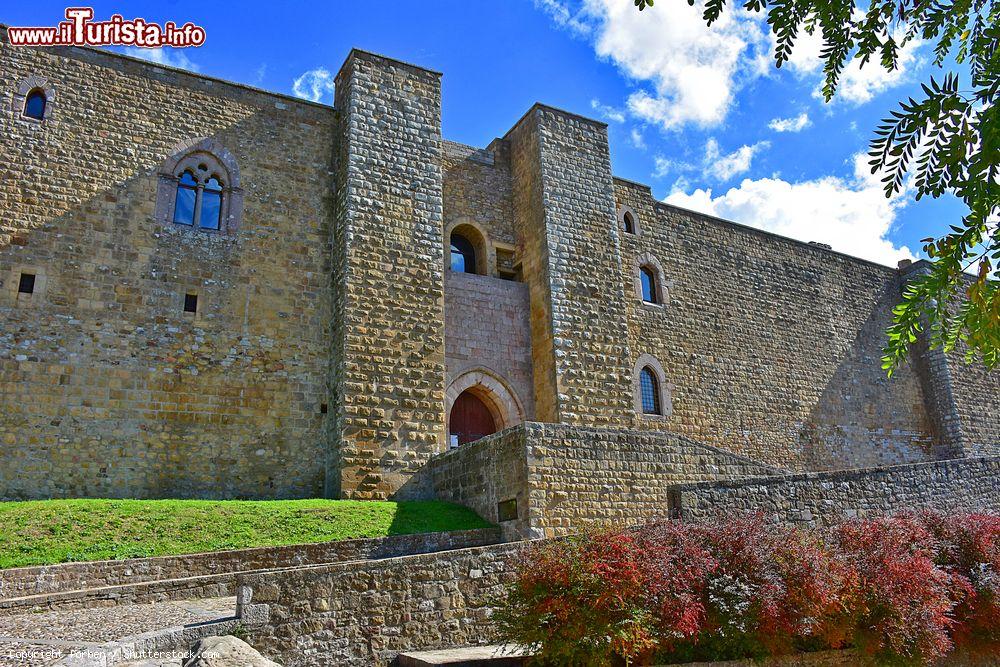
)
(199, 198)
(649, 391)
(187, 199)
(199, 188)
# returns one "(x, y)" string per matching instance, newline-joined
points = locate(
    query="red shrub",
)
(580, 600)
(905, 603)
(904, 589)
(968, 547)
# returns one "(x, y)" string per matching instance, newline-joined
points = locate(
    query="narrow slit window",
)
(628, 222)
(190, 303)
(26, 285)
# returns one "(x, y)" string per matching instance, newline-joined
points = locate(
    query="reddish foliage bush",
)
(904, 589)
(968, 547)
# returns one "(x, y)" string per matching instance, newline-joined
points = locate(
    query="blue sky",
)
(700, 114)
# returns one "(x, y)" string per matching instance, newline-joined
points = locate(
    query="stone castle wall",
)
(824, 498)
(329, 328)
(366, 613)
(773, 346)
(54, 581)
(107, 388)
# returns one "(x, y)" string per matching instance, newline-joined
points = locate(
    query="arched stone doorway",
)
(470, 419)
(479, 403)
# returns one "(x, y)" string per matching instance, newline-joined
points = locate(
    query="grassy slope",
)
(56, 531)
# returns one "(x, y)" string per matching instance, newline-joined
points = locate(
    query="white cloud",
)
(663, 166)
(638, 140)
(692, 70)
(162, 56)
(608, 112)
(724, 166)
(858, 84)
(575, 22)
(851, 214)
(795, 124)
(260, 74)
(314, 85)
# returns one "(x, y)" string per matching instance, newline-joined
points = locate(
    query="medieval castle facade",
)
(208, 290)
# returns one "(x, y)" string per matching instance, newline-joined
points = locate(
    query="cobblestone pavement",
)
(35, 639)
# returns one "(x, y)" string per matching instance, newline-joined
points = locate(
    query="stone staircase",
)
(474, 656)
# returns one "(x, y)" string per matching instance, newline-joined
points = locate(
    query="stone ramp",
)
(204, 575)
(495, 655)
(101, 636)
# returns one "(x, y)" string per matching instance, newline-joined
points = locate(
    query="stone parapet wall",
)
(363, 614)
(563, 477)
(825, 498)
(65, 577)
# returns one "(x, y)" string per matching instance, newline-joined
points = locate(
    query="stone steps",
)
(495, 655)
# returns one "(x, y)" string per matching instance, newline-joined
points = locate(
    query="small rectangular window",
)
(26, 284)
(190, 303)
(323, 409)
(507, 510)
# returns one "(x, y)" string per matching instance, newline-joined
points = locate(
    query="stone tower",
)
(565, 205)
(388, 264)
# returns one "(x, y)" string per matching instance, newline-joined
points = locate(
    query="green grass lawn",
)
(56, 531)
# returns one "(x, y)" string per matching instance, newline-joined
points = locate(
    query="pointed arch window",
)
(648, 281)
(650, 392)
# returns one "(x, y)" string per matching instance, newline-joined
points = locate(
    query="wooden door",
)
(470, 418)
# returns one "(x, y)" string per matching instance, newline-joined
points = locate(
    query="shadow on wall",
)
(109, 387)
(864, 419)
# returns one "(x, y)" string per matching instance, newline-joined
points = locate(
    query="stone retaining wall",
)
(828, 497)
(66, 577)
(562, 477)
(365, 613)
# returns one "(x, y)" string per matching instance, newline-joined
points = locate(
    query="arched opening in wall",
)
(471, 419)
(647, 279)
(34, 104)
(478, 403)
(463, 254)
(649, 392)
(467, 249)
